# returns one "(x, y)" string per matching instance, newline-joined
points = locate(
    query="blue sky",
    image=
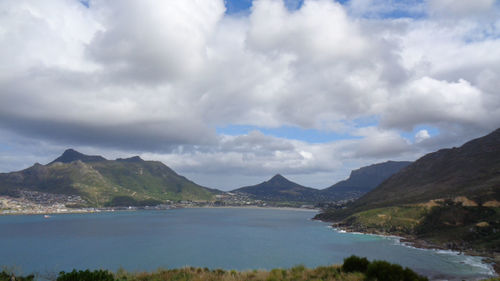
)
(243, 6)
(396, 9)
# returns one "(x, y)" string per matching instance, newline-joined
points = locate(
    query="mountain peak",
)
(278, 177)
(279, 188)
(134, 159)
(70, 155)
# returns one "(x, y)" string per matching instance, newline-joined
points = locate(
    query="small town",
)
(35, 202)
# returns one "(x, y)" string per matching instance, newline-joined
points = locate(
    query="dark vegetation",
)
(380, 270)
(461, 227)
(353, 269)
(355, 264)
(5, 276)
(86, 275)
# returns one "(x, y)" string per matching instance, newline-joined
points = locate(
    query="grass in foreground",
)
(353, 269)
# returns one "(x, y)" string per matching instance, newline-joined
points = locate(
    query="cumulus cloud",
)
(153, 40)
(430, 101)
(421, 136)
(320, 31)
(157, 77)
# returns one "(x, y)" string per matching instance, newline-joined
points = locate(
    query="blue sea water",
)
(228, 238)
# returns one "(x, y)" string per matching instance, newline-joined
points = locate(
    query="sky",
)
(230, 92)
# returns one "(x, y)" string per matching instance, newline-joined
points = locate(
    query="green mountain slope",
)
(472, 170)
(99, 180)
(449, 198)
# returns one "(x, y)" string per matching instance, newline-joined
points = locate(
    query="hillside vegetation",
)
(105, 182)
(472, 170)
(353, 269)
(449, 199)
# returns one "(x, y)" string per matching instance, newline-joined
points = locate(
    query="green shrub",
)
(410, 275)
(4, 276)
(87, 275)
(385, 271)
(355, 264)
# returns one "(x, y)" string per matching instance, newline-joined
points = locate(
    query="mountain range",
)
(134, 181)
(450, 198)
(471, 171)
(106, 182)
(362, 180)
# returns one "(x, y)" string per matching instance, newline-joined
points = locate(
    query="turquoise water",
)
(215, 238)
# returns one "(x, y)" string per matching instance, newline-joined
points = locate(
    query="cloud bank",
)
(157, 78)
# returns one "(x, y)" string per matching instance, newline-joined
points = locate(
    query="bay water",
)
(228, 238)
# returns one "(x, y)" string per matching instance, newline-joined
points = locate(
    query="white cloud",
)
(157, 78)
(153, 40)
(431, 101)
(320, 31)
(421, 136)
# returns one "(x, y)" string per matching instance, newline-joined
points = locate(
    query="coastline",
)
(98, 210)
(257, 207)
(409, 241)
(80, 211)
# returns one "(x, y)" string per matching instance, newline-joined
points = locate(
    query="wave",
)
(484, 268)
(476, 262)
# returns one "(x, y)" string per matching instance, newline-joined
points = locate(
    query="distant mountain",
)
(364, 179)
(100, 181)
(278, 188)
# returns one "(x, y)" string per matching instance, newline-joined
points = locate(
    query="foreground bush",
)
(382, 270)
(355, 264)
(353, 269)
(87, 275)
(297, 273)
(4, 276)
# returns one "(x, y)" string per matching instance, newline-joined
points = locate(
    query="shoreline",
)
(412, 242)
(55, 213)
(94, 211)
(256, 207)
